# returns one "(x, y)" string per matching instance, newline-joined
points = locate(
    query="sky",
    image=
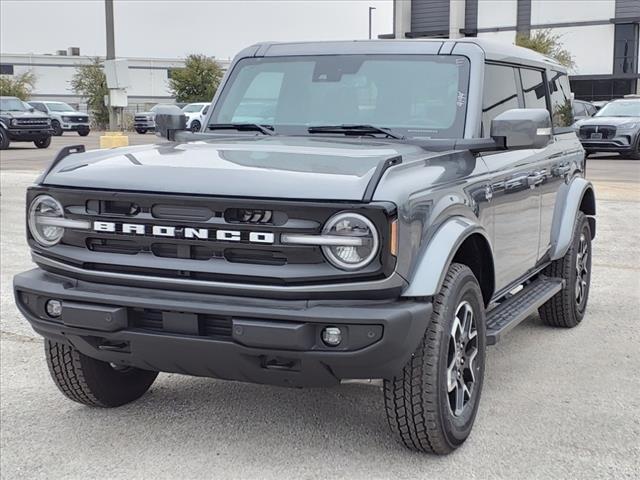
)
(176, 28)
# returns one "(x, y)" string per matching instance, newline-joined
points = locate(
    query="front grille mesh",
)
(208, 325)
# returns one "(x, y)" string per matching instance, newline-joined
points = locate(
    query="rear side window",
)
(561, 103)
(579, 109)
(533, 89)
(500, 94)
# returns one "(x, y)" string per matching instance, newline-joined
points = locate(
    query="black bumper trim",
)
(402, 323)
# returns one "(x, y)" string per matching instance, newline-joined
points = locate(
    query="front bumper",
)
(620, 144)
(76, 127)
(248, 339)
(28, 134)
(149, 125)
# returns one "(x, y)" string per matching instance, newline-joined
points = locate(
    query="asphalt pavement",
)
(556, 403)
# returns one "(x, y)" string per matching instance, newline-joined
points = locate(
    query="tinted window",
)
(579, 109)
(533, 88)
(561, 108)
(417, 95)
(500, 94)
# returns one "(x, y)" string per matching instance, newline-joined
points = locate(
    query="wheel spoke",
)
(460, 397)
(452, 378)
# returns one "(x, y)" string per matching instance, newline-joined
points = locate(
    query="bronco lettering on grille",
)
(183, 232)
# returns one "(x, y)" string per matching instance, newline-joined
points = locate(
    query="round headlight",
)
(14, 121)
(43, 212)
(360, 241)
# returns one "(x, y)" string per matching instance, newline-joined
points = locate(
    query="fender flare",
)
(567, 206)
(431, 269)
(3, 125)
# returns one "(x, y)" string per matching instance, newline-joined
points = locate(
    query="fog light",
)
(54, 308)
(331, 336)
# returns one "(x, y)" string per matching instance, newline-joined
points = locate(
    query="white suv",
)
(195, 113)
(64, 118)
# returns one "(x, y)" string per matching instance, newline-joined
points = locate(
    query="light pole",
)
(111, 55)
(371, 9)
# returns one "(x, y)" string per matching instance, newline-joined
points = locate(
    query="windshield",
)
(12, 105)
(416, 95)
(60, 107)
(620, 109)
(193, 107)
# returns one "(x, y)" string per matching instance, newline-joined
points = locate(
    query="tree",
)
(197, 81)
(547, 43)
(90, 82)
(19, 86)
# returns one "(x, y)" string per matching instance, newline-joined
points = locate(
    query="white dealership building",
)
(148, 77)
(602, 35)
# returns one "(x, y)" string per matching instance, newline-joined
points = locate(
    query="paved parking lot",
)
(556, 403)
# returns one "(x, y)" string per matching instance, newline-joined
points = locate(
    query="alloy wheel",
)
(582, 270)
(461, 356)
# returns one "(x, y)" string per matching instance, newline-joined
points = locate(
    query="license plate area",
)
(596, 136)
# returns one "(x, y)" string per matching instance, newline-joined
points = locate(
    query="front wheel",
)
(43, 142)
(57, 129)
(83, 133)
(92, 382)
(4, 139)
(431, 405)
(141, 131)
(195, 126)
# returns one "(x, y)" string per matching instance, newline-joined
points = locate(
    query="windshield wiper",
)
(243, 127)
(355, 130)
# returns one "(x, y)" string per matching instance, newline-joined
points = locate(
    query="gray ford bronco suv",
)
(350, 210)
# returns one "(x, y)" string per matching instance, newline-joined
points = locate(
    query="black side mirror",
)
(169, 120)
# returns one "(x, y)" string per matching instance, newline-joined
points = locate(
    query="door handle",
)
(536, 178)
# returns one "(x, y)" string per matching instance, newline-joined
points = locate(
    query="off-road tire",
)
(43, 142)
(416, 401)
(141, 131)
(4, 139)
(57, 129)
(563, 309)
(92, 382)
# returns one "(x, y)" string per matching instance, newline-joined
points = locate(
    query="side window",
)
(533, 90)
(562, 112)
(500, 94)
(579, 109)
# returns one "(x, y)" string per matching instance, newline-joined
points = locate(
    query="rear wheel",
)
(567, 307)
(57, 129)
(92, 382)
(431, 405)
(195, 126)
(43, 142)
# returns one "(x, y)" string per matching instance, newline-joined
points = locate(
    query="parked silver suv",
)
(64, 118)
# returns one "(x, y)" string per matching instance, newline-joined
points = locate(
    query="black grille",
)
(140, 118)
(208, 325)
(204, 256)
(78, 119)
(33, 122)
(607, 131)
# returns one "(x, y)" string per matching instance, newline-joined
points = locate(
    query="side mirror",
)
(522, 128)
(169, 119)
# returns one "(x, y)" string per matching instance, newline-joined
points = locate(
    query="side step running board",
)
(515, 309)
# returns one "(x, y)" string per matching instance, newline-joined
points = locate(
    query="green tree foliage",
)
(17, 85)
(197, 81)
(90, 82)
(547, 43)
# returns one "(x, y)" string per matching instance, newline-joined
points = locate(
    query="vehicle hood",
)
(247, 166)
(614, 121)
(27, 114)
